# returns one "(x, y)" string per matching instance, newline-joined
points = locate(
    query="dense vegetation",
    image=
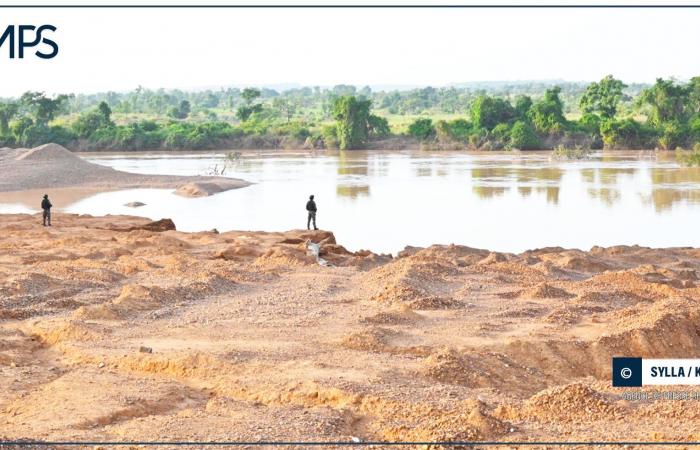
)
(607, 113)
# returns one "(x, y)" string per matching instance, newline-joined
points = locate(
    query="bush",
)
(627, 133)
(672, 135)
(41, 134)
(455, 130)
(422, 129)
(378, 126)
(329, 134)
(523, 137)
(487, 111)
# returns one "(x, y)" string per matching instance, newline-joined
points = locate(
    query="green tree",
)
(547, 114)
(249, 94)
(7, 112)
(105, 111)
(19, 126)
(667, 101)
(487, 111)
(88, 123)
(603, 97)
(43, 108)
(285, 106)
(181, 111)
(352, 116)
(523, 103)
(694, 98)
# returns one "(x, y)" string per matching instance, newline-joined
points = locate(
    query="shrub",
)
(422, 129)
(523, 137)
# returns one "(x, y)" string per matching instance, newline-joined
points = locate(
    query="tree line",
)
(609, 114)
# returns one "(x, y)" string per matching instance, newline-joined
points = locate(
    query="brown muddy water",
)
(385, 200)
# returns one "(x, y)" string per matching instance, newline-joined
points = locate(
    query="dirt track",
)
(251, 340)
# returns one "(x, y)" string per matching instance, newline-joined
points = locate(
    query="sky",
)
(120, 49)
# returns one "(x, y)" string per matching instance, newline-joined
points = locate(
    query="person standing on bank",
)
(46, 207)
(311, 208)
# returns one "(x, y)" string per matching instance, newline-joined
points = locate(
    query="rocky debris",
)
(157, 226)
(544, 290)
(143, 349)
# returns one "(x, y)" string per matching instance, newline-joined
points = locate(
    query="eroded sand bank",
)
(146, 335)
(51, 166)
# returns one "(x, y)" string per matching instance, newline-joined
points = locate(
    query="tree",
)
(250, 94)
(285, 106)
(245, 111)
(88, 123)
(487, 111)
(352, 116)
(105, 111)
(7, 112)
(19, 126)
(181, 111)
(694, 98)
(603, 97)
(523, 103)
(667, 101)
(547, 114)
(42, 107)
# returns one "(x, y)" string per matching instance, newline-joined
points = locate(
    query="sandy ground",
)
(50, 167)
(240, 336)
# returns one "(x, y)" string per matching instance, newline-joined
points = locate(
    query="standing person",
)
(46, 206)
(311, 208)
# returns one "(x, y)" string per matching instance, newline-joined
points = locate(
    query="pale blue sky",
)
(118, 50)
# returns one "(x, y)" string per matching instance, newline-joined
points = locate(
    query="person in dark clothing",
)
(311, 208)
(46, 207)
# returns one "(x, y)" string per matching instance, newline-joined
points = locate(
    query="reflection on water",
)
(386, 200)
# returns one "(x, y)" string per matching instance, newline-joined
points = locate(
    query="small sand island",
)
(136, 331)
(52, 166)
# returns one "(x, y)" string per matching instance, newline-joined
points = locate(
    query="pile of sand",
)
(544, 290)
(53, 166)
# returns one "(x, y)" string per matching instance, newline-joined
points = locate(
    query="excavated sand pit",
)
(118, 329)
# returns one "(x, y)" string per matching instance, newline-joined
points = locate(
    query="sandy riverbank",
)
(145, 335)
(51, 166)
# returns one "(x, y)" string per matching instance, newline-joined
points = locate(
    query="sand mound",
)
(447, 366)
(574, 402)
(401, 315)
(432, 302)
(493, 257)
(374, 340)
(544, 290)
(53, 166)
(583, 264)
(48, 152)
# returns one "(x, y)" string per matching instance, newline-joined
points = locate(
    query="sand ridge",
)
(142, 332)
